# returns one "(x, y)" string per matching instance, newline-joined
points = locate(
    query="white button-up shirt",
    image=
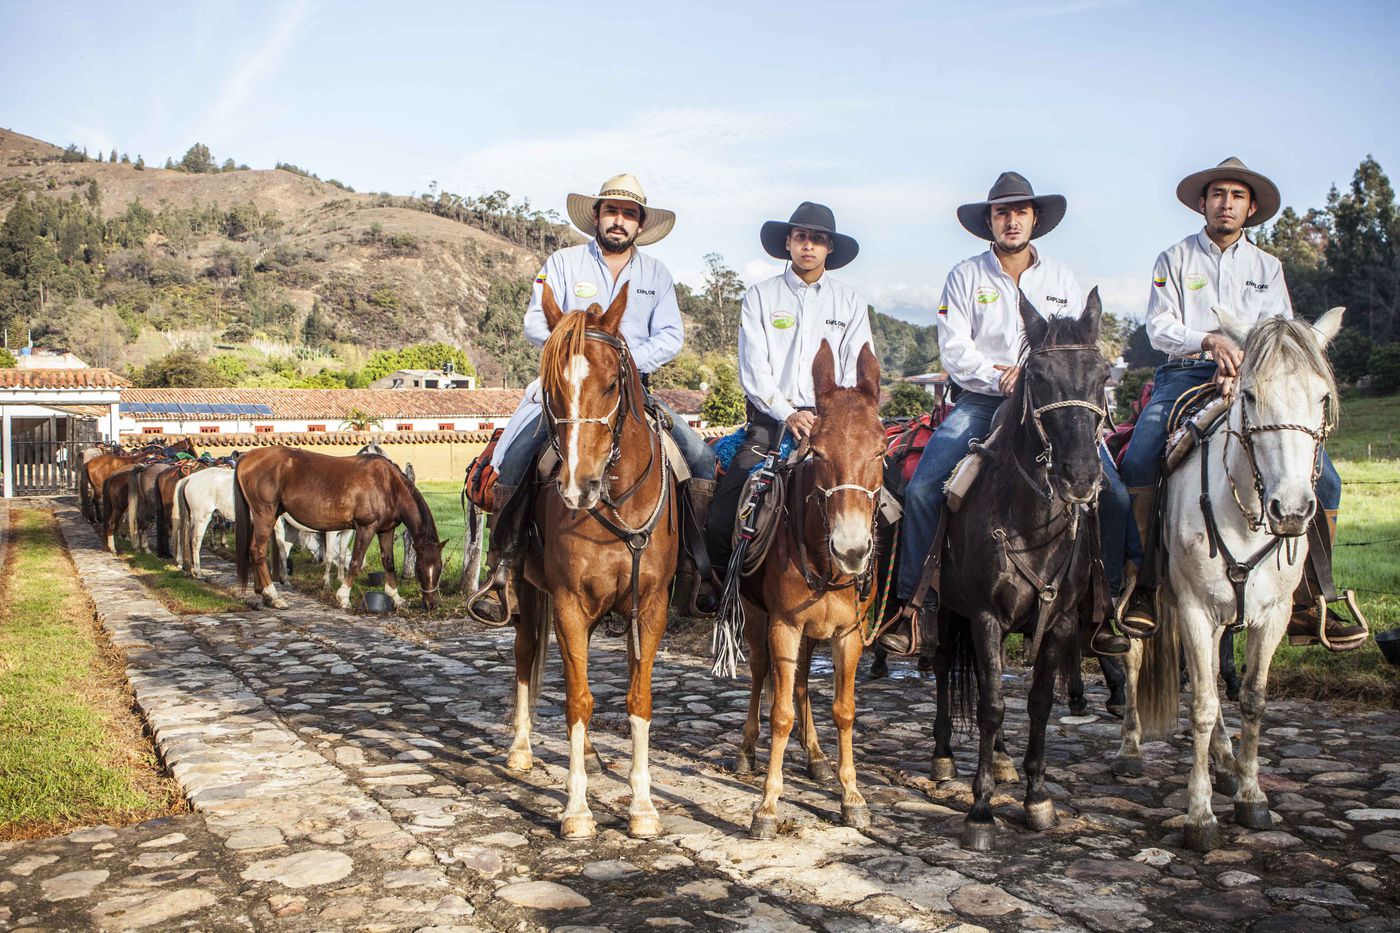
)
(1195, 274)
(979, 318)
(579, 277)
(781, 329)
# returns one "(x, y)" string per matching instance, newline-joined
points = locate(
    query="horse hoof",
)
(743, 763)
(819, 770)
(1253, 814)
(978, 836)
(1127, 767)
(1115, 708)
(1079, 707)
(763, 827)
(1201, 837)
(278, 603)
(1041, 815)
(1004, 770)
(857, 817)
(593, 764)
(578, 827)
(520, 761)
(646, 826)
(944, 769)
(1226, 783)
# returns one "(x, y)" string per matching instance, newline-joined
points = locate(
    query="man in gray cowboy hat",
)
(617, 221)
(1217, 267)
(979, 342)
(782, 325)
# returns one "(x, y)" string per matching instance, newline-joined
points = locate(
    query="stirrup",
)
(898, 638)
(1108, 640)
(1140, 623)
(495, 609)
(1314, 624)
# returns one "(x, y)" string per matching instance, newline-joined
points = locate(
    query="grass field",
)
(71, 750)
(1370, 429)
(178, 592)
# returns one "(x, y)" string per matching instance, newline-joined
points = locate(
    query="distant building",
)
(45, 358)
(425, 379)
(47, 416)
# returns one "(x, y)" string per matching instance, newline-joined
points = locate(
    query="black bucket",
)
(1389, 643)
(376, 601)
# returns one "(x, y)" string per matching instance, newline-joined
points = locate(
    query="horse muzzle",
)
(582, 496)
(852, 552)
(1289, 520)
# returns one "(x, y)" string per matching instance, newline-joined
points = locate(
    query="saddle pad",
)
(960, 481)
(1183, 441)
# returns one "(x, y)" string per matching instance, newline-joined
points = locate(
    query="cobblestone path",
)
(344, 778)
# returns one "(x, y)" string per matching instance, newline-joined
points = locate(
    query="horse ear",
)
(1035, 325)
(824, 370)
(552, 312)
(1092, 316)
(408, 471)
(612, 318)
(1230, 325)
(1328, 325)
(868, 373)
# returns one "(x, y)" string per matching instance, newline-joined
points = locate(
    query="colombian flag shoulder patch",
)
(1159, 281)
(943, 310)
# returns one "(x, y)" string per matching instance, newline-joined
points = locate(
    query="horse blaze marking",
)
(577, 372)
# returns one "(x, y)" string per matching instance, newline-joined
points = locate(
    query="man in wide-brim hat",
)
(783, 322)
(1218, 267)
(617, 220)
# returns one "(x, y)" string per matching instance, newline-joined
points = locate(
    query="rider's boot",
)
(898, 639)
(1108, 639)
(702, 595)
(491, 604)
(1136, 609)
(1311, 599)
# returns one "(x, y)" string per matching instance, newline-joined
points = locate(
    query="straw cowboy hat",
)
(1012, 188)
(809, 216)
(1266, 196)
(622, 187)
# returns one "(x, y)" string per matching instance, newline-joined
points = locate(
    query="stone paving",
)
(343, 778)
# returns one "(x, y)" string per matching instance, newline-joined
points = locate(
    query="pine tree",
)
(113, 157)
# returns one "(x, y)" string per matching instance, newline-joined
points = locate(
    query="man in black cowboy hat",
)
(783, 323)
(979, 342)
(1218, 267)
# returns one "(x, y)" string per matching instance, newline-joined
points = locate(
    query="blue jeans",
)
(1142, 461)
(971, 419)
(699, 456)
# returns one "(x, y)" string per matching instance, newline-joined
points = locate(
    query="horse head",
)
(1060, 394)
(848, 449)
(428, 568)
(589, 388)
(1284, 408)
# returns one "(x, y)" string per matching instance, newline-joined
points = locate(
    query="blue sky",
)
(893, 113)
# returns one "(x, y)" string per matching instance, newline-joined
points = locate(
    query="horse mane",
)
(1279, 348)
(425, 514)
(565, 342)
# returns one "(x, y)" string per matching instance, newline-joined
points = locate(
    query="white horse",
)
(331, 548)
(1235, 554)
(198, 498)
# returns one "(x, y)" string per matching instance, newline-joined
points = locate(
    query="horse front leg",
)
(944, 767)
(1078, 705)
(818, 767)
(363, 534)
(1228, 671)
(198, 528)
(1114, 678)
(264, 523)
(979, 826)
(530, 635)
(386, 558)
(1201, 831)
(1128, 763)
(784, 642)
(1251, 805)
(572, 629)
(643, 822)
(845, 657)
(1039, 807)
(756, 634)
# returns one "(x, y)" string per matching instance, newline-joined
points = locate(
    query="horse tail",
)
(544, 609)
(133, 505)
(242, 531)
(1159, 677)
(962, 671)
(180, 511)
(162, 525)
(85, 491)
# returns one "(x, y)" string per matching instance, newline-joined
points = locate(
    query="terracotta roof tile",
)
(320, 438)
(60, 379)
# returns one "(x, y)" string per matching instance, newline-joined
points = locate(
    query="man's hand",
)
(1009, 375)
(800, 423)
(1226, 384)
(1227, 354)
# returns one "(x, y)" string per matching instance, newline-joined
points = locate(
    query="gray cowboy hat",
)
(809, 216)
(1266, 196)
(1012, 188)
(622, 187)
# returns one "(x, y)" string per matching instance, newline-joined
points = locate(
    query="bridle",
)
(1030, 411)
(826, 582)
(1245, 438)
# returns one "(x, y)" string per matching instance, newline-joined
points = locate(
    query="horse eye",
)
(612, 386)
(1249, 396)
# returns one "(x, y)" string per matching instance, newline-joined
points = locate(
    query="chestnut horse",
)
(92, 476)
(609, 531)
(366, 493)
(815, 583)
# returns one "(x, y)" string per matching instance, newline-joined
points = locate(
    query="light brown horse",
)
(815, 584)
(608, 524)
(92, 476)
(366, 493)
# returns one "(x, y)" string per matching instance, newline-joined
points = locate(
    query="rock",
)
(254, 837)
(1321, 893)
(1227, 856)
(479, 859)
(455, 905)
(710, 889)
(608, 871)
(1157, 858)
(302, 870)
(284, 905)
(1235, 879)
(985, 900)
(141, 910)
(1273, 839)
(1387, 840)
(1094, 869)
(349, 910)
(414, 878)
(29, 864)
(542, 895)
(95, 834)
(73, 884)
(1231, 907)
(1373, 815)
(161, 842)
(506, 840)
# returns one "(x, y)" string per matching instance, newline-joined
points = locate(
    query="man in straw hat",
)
(1217, 267)
(782, 325)
(617, 221)
(979, 342)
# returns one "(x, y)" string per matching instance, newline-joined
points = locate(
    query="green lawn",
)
(1370, 428)
(71, 752)
(178, 592)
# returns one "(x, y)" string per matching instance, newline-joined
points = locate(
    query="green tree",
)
(1385, 368)
(724, 406)
(1350, 354)
(1127, 392)
(715, 311)
(1139, 353)
(1300, 244)
(199, 160)
(113, 157)
(1363, 254)
(140, 163)
(357, 419)
(314, 330)
(907, 400)
(7, 359)
(180, 369)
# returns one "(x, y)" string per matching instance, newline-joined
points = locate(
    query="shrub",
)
(724, 405)
(1385, 368)
(1129, 388)
(907, 400)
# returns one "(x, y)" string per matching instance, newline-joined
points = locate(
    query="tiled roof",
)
(320, 438)
(60, 379)
(336, 404)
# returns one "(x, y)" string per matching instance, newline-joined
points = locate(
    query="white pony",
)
(1235, 553)
(198, 498)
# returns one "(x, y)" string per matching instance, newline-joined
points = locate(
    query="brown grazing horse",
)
(815, 583)
(368, 494)
(609, 533)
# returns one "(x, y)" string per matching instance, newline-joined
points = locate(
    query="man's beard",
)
(1223, 229)
(1013, 250)
(611, 246)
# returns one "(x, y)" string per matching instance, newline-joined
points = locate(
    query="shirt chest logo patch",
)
(987, 295)
(1195, 281)
(1062, 302)
(835, 323)
(782, 320)
(1257, 286)
(585, 289)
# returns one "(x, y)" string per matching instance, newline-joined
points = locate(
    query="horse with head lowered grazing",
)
(608, 542)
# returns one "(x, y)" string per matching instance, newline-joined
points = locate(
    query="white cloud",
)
(230, 111)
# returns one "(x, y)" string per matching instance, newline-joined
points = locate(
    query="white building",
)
(47, 416)
(425, 379)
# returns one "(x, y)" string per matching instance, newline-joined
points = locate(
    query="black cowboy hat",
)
(1012, 188)
(809, 216)
(1266, 197)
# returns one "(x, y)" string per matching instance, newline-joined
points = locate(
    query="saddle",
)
(1200, 407)
(480, 483)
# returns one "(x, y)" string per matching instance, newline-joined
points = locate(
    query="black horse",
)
(1020, 555)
